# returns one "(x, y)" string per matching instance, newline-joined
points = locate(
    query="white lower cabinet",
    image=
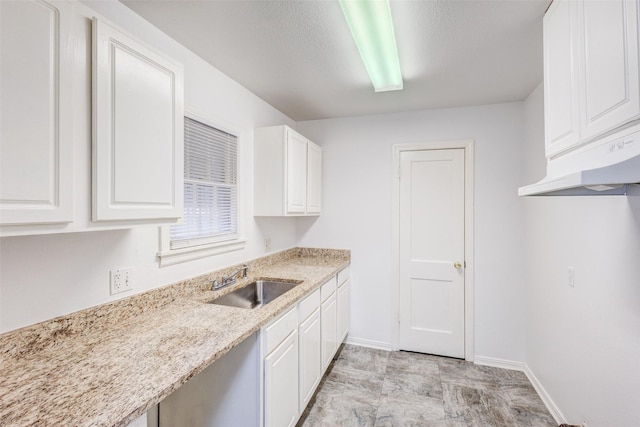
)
(281, 384)
(297, 348)
(329, 313)
(343, 310)
(280, 346)
(310, 369)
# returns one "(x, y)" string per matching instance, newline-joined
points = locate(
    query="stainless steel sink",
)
(255, 294)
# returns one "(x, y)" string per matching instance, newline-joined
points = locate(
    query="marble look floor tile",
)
(475, 407)
(526, 406)
(508, 377)
(363, 358)
(415, 384)
(341, 407)
(523, 396)
(467, 374)
(345, 397)
(355, 378)
(407, 409)
(415, 363)
(367, 387)
(532, 417)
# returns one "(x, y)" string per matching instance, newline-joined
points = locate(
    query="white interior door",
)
(431, 266)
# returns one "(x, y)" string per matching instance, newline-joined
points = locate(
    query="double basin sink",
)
(255, 294)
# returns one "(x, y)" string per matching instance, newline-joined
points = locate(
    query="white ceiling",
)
(299, 55)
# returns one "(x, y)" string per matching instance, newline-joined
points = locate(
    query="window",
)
(210, 222)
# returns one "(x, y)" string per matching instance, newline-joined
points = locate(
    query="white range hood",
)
(610, 166)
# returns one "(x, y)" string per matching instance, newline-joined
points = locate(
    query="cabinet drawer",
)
(308, 305)
(279, 329)
(343, 276)
(328, 289)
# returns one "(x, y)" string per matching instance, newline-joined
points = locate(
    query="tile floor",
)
(368, 387)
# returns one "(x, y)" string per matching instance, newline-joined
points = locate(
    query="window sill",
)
(176, 256)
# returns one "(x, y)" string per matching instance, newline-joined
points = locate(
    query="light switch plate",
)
(571, 279)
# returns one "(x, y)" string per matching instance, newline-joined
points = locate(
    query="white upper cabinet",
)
(296, 190)
(288, 173)
(591, 71)
(138, 115)
(36, 123)
(560, 78)
(609, 60)
(314, 179)
(74, 157)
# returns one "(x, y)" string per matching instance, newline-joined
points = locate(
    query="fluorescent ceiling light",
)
(372, 29)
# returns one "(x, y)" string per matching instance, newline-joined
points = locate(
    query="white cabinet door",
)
(328, 318)
(609, 63)
(561, 82)
(137, 129)
(314, 178)
(296, 173)
(36, 135)
(343, 311)
(287, 173)
(310, 363)
(281, 384)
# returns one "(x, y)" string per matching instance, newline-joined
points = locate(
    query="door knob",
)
(457, 265)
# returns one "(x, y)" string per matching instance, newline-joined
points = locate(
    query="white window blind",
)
(210, 187)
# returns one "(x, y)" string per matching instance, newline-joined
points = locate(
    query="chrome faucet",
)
(226, 281)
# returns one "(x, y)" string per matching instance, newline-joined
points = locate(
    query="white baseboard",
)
(499, 363)
(523, 367)
(550, 404)
(380, 345)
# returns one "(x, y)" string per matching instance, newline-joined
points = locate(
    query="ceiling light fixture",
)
(372, 29)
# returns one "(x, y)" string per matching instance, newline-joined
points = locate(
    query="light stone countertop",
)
(107, 365)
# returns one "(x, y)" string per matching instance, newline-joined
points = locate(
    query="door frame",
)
(467, 145)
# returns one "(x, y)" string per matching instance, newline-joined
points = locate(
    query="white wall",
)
(583, 343)
(46, 276)
(356, 214)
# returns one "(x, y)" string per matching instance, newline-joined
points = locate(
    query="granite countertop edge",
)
(107, 365)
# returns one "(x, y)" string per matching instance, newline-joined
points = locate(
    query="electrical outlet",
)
(267, 244)
(121, 280)
(571, 279)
